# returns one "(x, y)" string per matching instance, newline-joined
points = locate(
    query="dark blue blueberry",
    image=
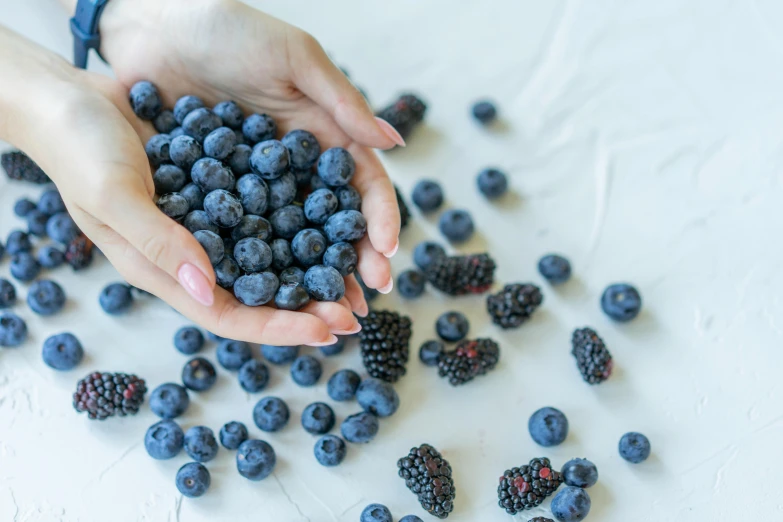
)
(240, 159)
(62, 228)
(23, 206)
(377, 397)
(253, 376)
(292, 274)
(223, 208)
(13, 330)
(198, 374)
(176, 133)
(174, 205)
(376, 513)
(271, 414)
(634, 447)
(492, 183)
(303, 178)
(24, 267)
(430, 352)
(348, 198)
(210, 174)
(427, 195)
(255, 459)
(411, 518)
(165, 122)
(452, 326)
(200, 122)
(320, 205)
(62, 351)
(484, 111)
(548, 427)
(50, 257)
(158, 149)
(360, 427)
(334, 349)
(51, 202)
(164, 440)
(17, 242)
(232, 434)
(188, 340)
(185, 106)
(303, 148)
(240, 141)
(220, 143)
(621, 302)
(259, 127)
(169, 400)
(282, 191)
(212, 245)
(194, 195)
(230, 113)
(36, 223)
(200, 444)
(145, 100)
(287, 221)
(282, 256)
(254, 194)
(116, 298)
(318, 418)
(324, 283)
(342, 385)
(456, 225)
(580, 473)
(252, 255)
(185, 152)
(410, 284)
(279, 354)
(317, 183)
(199, 220)
(336, 167)
(7, 293)
(426, 252)
(306, 370)
(252, 226)
(291, 296)
(571, 504)
(554, 268)
(45, 297)
(193, 480)
(330, 450)
(269, 159)
(308, 247)
(169, 178)
(256, 289)
(227, 272)
(231, 355)
(346, 225)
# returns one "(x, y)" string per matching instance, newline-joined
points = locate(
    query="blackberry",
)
(20, 167)
(468, 360)
(428, 474)
(383, 341)
(592, 357)
(104, 395)
(514, 305)
(460, 275)
(405, 214)
(79, 252)
(404, 114)
(527, 486)
(541, 519)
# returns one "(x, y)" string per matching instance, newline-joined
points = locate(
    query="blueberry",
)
(165, 122)
(145, 100)
(17, 242)
(255, 459)
(239, 161)
(256, 289)
(62, 351)
(456, 225)
(410, 284)
(492, 183)
(319, 205)
(634, 447)
(158, 149)
(317, 183)
(377, 397)
(269, 159)
(49, 257)
(554, 268)
(426, 252)
(13, 330)
(185, 152)
(253, 376)
(484, 111)
(45, 297)
(200, 444)
(336, 167)
(571, 504)
(252, 255)
(282, 256)
(193, 480)
(116, 298)
(308, 247)
(198, 374)
(254, 194)
(369, 293)
(342, 257)
(7, 293)
(200, 122)
(324, 283)
(169, 178)
(303, 148)
(230, 113)
(51, 202)
(177, 132)
(580, 473)
(430, 352)
(169, 400)
(188, 340)
(348, 198)
(219, 144)
(23, 206)
(62, 228)
(303, 178)
(164, 440)
(346, 225)
(282, 191)
(548, 427)
(342, 385)
(252, 226)
(174, 205)
(279, 354)
(259, 127)
(185, 106)
(318, 418)
(360, 427)
(227, 272)
(212, 245)
(271, 414)
(287, 221)
(292, 274)
(330, 450)
(306, 370)
(231, 355)
(452, 326)
(427, 195)
(199, 220)
(291, 296)
(232, 434)
(411, 518)
(335, 348)
(24, 267)
(210, 174)
(621, 302)
(376, 513)
(36, 223)
(223, 208)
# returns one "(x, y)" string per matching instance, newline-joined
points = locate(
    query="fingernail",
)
(363, 312)
(393, 251)
(355, 329)
(328, 342)
(390, 131)
(196, 284)
(388, 288)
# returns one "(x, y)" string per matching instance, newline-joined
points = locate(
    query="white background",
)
(643, 140)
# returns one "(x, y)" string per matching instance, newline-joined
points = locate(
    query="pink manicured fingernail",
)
(390, 131)
(393, 251)
(363, 312)
(328, 342)
(196, 284)
(355, 329)
(388, 288)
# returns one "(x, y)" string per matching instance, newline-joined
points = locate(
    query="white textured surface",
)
(643, 139)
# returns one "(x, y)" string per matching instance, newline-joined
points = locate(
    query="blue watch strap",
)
(84, 26)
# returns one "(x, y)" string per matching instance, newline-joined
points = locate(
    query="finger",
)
(355, 295)
(338, 317)
(374, 268)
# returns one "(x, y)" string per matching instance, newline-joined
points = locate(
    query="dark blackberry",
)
(468, 360)
(404, 114)
(405, 214)
(514, 305)
(19, 166)
(527, 486)
(592, 357)
(79, 252)
(541, 519)
(383, 341)
(460, 275)
(104, 395)
(428, 475)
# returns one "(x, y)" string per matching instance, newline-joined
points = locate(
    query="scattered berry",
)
(23, 206)
(410, 284)
(253, 376)
(78, 254)
(427, 195)
(460, 275)
(456, 225)
(279, 354)
(271, 414)
(430, 352)
(621, 302)
(188, 340)
(514, 305)
(554, 268)
(468, 360)
(7, 293)
(404, 114)
(571, 504)
(231, 355)
(411, 518)
(116, 298)
(24, 267)
(200, 444)
(634, 447)
(18, 242)
(342, 385)
(580, 473)
(428, 475)
(548, 427)
(334, 349)
(492, 183)
(318, 418)
(36, 223)
(62, 229)
(527, 486)
(360, 428)
(330, 450)
(104, 395)
(193, 479)
(164, 440)
(376, 513)
(255, 459)
(198, 374)
(484, 111)
(426, 252)
(306, 370)
(383, 341)
(452, 326)
(232, 434)
(13, 330)
(49, 257)
(169, 400)
(377, 397)
(592, 357)
(45, 297)
(62, 351)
